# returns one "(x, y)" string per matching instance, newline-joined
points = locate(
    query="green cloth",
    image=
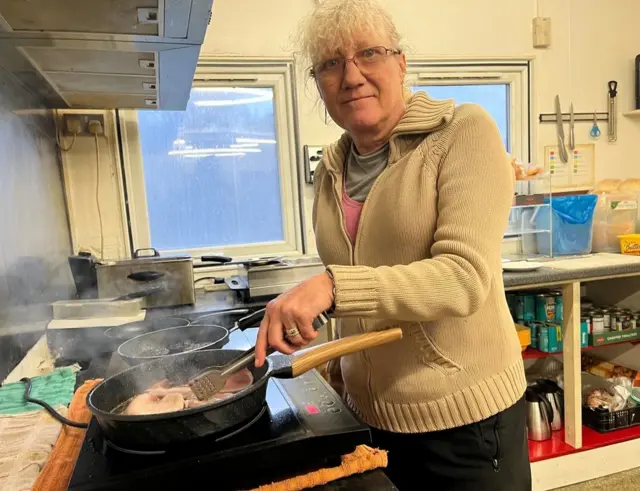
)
(55, 388)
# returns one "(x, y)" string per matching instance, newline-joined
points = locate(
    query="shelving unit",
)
(533, 353)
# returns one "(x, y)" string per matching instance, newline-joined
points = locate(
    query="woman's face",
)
(361, 95)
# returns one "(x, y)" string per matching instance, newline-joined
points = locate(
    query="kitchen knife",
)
(572, 136)
(560, 131)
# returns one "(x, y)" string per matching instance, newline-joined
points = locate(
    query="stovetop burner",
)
(212, 440)
(304, 427)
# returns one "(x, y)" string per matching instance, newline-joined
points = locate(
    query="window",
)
(221, 175)
(502, 89)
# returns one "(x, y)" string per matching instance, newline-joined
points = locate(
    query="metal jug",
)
(539, 415)
(555, 395)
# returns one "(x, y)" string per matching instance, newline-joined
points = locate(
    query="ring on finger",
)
(293, 332)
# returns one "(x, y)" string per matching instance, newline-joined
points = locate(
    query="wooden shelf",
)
(633, 114)
(591, 439)
(532, 353)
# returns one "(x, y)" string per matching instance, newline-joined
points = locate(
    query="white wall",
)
(592, 42)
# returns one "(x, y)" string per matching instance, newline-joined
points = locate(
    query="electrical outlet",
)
(79, 123)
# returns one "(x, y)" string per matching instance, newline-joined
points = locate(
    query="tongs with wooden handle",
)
(210, 381)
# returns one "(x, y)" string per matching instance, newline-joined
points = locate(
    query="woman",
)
(409, 213)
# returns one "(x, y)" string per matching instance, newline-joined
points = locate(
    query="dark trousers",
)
(491, 455)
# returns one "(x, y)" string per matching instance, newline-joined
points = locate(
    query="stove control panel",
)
(319, 406)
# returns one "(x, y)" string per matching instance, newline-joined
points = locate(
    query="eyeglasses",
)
(366, 60)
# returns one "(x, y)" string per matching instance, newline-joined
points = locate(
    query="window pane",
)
(493, 97)
(211, 171)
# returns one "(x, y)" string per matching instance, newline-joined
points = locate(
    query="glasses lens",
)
(370, 55)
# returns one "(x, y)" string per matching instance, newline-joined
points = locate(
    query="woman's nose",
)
(352, 76)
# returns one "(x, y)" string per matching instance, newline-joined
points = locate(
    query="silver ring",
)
(293, 332)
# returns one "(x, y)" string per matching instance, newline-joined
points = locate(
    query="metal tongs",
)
(211, 380)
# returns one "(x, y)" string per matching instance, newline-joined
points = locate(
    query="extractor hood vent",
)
(94, 55)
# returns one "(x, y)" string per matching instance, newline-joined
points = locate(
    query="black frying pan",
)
(131, 330)
(183, 339)
(160, 431)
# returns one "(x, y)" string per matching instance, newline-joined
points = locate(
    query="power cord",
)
(50, 410)
(61, 147)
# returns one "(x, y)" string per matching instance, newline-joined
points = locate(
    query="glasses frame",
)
(313, 72)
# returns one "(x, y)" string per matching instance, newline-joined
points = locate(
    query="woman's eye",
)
(368, 53)
(331, 63)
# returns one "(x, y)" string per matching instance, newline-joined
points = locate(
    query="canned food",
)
(545, 307)
(617, 320)
(534, 327)
(525, 307)
(606, 314)
(597, 323)
(625, 322)
(559, 306)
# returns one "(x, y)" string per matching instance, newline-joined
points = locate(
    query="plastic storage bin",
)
(570, 219)
(615, 215)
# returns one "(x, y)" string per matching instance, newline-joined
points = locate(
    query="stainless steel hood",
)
(104, 54)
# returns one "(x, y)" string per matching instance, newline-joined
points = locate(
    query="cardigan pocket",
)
(430, 353)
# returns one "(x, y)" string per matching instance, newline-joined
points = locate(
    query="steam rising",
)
(34, 232)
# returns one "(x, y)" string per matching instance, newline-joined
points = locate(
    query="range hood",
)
(126, 54)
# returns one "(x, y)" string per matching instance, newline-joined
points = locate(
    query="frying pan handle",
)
(249, 320)
(305, 360)
(216, 259)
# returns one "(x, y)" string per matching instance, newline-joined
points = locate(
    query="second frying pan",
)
(182, 339)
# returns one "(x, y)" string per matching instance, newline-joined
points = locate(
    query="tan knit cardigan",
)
(426, 258)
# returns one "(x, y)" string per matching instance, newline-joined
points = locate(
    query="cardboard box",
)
(612, 337)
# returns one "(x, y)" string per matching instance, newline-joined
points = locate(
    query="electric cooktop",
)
(303, 427)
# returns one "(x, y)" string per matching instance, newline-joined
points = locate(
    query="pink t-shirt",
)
(352, 210)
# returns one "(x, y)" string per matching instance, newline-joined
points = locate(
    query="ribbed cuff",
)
(357, 290)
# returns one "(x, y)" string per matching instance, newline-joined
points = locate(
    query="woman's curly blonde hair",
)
(334, 24)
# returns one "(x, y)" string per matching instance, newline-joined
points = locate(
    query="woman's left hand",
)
(294, 311)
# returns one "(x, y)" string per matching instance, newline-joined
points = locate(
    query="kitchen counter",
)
(590, 268)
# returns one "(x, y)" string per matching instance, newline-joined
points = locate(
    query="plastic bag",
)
(571, 223)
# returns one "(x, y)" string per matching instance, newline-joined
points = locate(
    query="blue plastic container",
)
(571, 225)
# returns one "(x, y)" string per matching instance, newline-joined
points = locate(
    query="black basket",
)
(605, 421)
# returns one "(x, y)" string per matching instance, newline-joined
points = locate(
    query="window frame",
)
(278, 75)
(516, 74)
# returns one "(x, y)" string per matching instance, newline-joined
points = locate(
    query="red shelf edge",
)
(591, 439)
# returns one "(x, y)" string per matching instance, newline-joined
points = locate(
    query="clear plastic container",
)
(570, 222)
(615, 215)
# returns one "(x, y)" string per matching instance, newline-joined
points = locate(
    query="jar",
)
(606, 315)
(597, 322)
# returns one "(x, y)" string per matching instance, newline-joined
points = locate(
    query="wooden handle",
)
(305, 360)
